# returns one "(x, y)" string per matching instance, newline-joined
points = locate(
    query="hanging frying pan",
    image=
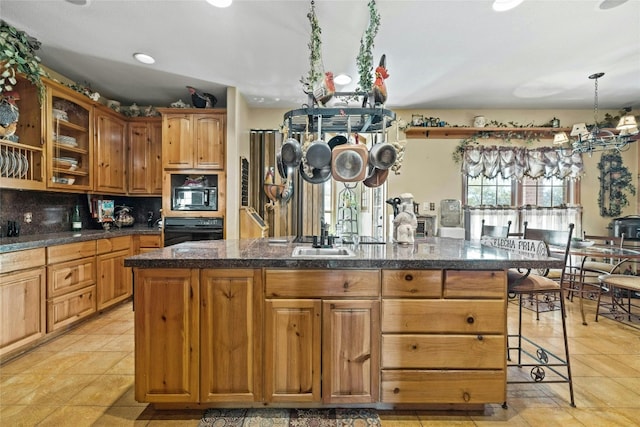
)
(315, 175)
(282, 169)
(376, 177)
(291, 153)
(318, 152)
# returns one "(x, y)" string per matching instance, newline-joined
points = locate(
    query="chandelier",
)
(596, 139)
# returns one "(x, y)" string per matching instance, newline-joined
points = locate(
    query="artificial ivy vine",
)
(365, 55)
(615, 180)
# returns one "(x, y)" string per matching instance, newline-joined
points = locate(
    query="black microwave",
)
(194, 198)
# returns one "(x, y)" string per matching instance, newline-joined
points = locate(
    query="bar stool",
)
(530, 283)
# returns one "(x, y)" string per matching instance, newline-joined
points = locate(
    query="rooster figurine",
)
(379, 88)
(202, 100)
(9, 115)
(325, 89)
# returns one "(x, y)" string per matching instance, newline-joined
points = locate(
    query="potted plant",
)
(17, 56)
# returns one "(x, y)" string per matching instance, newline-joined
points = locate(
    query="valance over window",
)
(518, 162)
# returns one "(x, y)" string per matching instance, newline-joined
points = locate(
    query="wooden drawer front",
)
(21, 260)
(322, 283)
(443, 386)
(444, 316)
(149, 241)
(71, 307)
(70, 276)
(70, 251)
(104, 246)
(443, 351)
(412, 283)
(475, 284)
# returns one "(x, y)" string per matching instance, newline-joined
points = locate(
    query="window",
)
(543, 192)
(485, 191)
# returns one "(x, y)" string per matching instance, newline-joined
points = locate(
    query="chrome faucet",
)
(324, 234)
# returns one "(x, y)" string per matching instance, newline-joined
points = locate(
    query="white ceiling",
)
(441, 54)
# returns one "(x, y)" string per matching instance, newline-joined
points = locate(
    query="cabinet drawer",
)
(444, 316)
(455, 386)
(64, 310)
(322, 283)
(21, 260)
(70, 251)
(475, 284)
(412, 283)
(114, 244)
(443, 351)
(149, 241)
(69, 276)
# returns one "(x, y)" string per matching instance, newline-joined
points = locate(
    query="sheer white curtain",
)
(554, 218)
(536, 217)
(492, 216)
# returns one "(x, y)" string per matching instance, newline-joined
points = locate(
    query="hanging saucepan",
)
(318, 152)
(349, 162)
(291, 153)
(383, 155)
(315, 175)
(375, 177)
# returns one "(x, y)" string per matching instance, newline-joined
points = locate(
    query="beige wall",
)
(430, 174)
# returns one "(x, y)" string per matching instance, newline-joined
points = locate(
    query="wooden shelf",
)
(419, 132)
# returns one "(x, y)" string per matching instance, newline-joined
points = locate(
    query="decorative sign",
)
(525, 246)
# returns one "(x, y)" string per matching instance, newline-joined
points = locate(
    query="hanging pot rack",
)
(340, 118)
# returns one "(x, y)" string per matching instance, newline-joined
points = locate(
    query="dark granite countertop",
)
(256, 253)
(11, 244)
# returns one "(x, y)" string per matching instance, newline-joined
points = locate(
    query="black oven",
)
(178, 230)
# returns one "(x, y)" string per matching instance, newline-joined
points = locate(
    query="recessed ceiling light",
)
(342, 79)
(79, 2)
(504, 5)
(610, 4)
(144, 58)
(220, 3)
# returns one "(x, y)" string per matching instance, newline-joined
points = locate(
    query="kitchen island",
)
(244, 323)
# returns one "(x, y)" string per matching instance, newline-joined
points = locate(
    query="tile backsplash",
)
(51, 211)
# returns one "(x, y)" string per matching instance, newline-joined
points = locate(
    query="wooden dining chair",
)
(521, 284)
(495, 230)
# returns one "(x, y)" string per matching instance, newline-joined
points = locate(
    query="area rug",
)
(335, 417)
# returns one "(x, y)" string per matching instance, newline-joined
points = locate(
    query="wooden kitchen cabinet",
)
(146, 243)
(22, 299)
(433, 333)
(70, 139)
(231, 335)
(110, 151)
(71, 283)
(325, 315)
(113, 279)
(145, 156)
(167, 331)
(292, 353)
(192, 139)
(350, 351)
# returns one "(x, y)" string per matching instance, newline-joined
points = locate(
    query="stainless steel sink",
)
(309, 252)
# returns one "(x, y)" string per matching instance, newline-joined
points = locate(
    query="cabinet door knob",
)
(470, 320)
(480, 337)
(345, 285)
(396, 390)
(408, 277)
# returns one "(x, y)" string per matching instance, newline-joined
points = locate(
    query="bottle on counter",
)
(76, 222)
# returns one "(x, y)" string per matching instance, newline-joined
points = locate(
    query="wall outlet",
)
(28, 217)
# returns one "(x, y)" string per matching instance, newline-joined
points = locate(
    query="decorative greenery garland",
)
(615, 179)
(364, 59)
(17, 54)
(315, 50)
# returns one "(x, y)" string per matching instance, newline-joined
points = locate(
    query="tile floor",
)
(85, 378)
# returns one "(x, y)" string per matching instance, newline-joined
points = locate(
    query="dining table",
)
(583, 253)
